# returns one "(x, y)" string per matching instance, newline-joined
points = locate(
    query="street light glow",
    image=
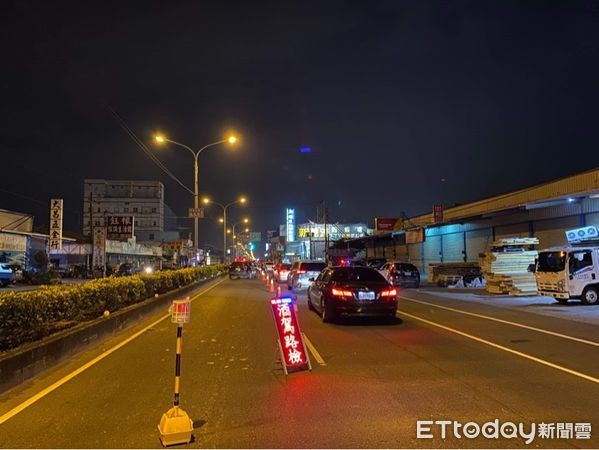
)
(159, 138)
(232, 139)
(246, 220)
(243, 200)
(205, 200)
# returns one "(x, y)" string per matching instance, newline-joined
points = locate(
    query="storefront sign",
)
(13, 243)
(294, 356)
(290, 224)
(437, 213)
(387, 224)
(119, 228)
(99, 248)
(55, 241)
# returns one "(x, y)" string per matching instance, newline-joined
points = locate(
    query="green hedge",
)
(31, 315)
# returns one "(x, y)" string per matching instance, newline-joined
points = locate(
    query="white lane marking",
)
(30, 401)
(507, 322)
(319, 359)
(505, 349)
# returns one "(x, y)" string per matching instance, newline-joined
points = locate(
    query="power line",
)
(145, 149)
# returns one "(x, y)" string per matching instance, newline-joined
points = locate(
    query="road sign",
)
(181, 311)
(55, 241)
(196, 212)
(255, 236)
(294, 356)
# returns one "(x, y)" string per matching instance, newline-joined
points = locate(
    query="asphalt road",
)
(378, 379)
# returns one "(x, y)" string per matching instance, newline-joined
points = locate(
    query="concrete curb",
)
(25, 362)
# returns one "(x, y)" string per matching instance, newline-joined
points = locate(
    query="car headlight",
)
(148, 270)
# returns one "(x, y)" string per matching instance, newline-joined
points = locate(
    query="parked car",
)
(352, 291)
(6, 275)
(239, 270)
(282, 272)
(376, 263)
(125, 269)
(301, 272)
(401, 274)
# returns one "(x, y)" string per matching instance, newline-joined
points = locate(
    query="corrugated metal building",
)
(544, 211)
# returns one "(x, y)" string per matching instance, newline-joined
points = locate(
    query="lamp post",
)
(207, 201)
(196, 154)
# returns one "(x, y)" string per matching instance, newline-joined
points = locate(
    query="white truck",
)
(572, 271)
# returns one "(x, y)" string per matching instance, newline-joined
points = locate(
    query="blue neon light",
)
(305, 149)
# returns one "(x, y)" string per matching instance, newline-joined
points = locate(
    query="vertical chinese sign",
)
(55, 241)
(437, 213)
(99, 248)
(294, 356)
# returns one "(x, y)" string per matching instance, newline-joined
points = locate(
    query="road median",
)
(29, 359)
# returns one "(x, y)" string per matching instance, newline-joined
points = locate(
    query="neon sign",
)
(290, 340)
(290, 224)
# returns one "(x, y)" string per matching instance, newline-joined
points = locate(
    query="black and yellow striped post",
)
(178, 365)
(175, 426)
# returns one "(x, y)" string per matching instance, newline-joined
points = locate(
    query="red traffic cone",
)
(271, 286)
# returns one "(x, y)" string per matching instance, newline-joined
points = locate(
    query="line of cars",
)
(351, 290)
(345, 290)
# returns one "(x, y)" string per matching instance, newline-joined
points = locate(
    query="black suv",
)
(239, 270)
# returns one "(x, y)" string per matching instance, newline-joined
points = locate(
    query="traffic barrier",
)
(175, 425)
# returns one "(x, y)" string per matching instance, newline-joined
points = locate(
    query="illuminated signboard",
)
(119, 228)
(294, 356)
(387, 224)
(290, 224)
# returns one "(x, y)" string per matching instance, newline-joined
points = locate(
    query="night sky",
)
(403, 104)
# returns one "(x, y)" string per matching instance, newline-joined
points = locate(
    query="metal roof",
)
(573, 186)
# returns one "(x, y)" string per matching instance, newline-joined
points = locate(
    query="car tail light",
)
(341, 293)
(389, 293)
(301, 271)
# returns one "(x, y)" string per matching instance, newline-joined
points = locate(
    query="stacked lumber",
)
(506, 268)
(515, 241)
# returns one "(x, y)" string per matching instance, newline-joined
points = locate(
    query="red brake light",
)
(389, 293)
(342, 293)
(301, 271)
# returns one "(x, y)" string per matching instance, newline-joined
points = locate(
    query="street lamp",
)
(160, 139)
(241, 200)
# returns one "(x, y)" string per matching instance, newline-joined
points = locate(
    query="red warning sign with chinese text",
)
(291, 343)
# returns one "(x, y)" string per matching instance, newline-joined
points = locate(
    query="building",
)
(144, 200)
(18, 243)
(461, 233)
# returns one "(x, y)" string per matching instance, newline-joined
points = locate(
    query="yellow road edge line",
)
(313, 350)
(30, 401)
(505, 349)
(515, 324)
